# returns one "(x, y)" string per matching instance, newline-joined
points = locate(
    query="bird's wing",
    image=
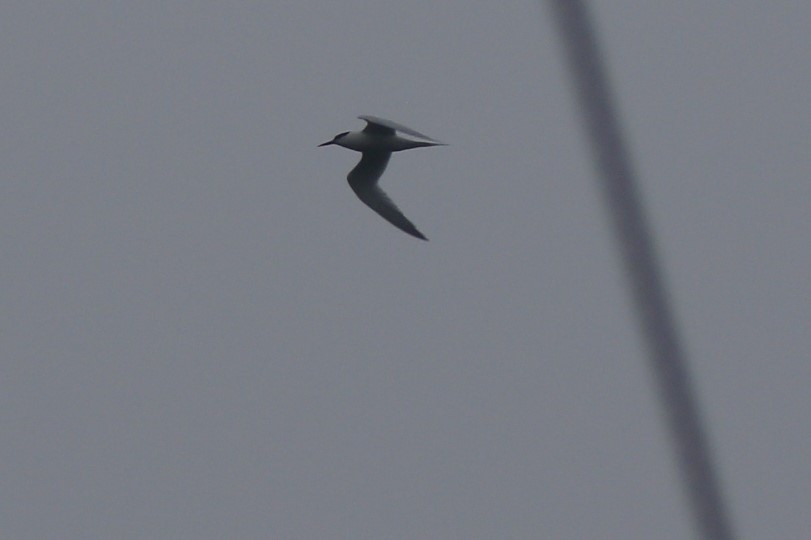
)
(374, 128)
(363, 180)
(387, 127)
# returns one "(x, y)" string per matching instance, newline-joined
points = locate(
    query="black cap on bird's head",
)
(335, 139)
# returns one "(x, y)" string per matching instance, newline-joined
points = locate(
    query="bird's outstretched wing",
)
(363, 181)
(381, 126)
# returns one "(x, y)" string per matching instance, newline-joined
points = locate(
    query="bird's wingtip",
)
(416, 233)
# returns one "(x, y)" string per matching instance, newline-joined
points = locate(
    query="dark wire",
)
(619, 185)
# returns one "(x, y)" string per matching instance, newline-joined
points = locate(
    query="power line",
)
(665, 353)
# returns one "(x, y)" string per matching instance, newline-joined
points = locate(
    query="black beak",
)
(326, 144)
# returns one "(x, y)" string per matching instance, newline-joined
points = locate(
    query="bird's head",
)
(335, 139)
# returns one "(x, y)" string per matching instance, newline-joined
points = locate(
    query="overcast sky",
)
(205, 335)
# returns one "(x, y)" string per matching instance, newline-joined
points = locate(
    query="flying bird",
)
(376, 142)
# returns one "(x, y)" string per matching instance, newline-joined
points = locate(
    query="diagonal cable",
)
(665, 353)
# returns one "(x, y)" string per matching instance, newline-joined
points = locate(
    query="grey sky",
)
(204, 333)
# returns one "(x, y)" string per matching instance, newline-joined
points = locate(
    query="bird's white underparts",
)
(376, 142)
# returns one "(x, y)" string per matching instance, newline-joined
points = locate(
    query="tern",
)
(376, 142)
